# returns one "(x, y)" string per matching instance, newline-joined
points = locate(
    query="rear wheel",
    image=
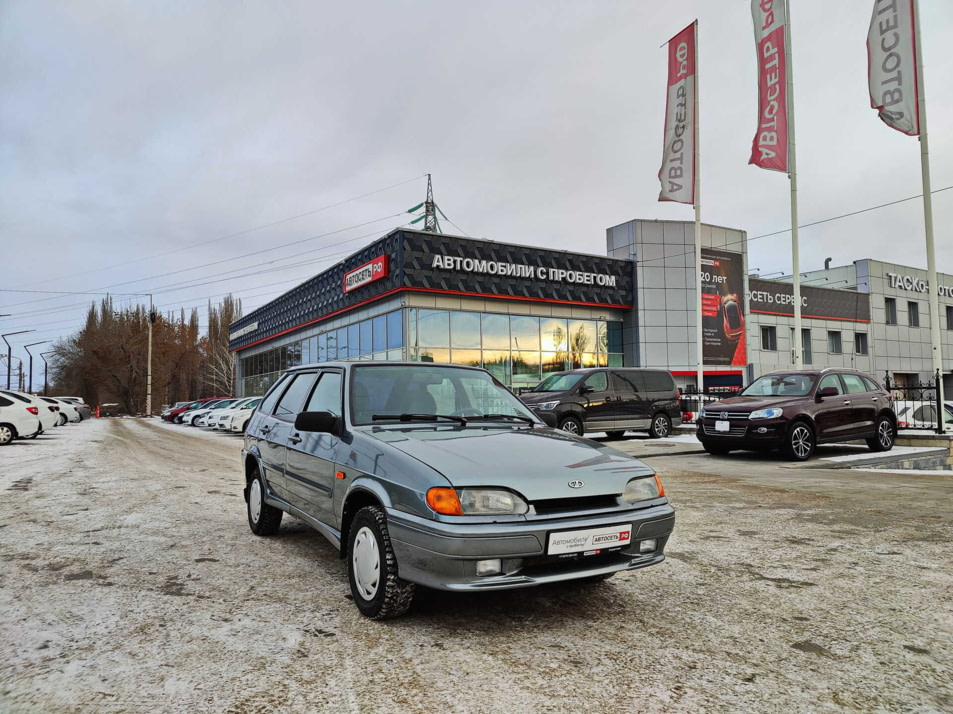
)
(884, 437)
(799, 444)
(572, 425)
(7, 434)
(661, 426)
(615, 434)
(263, 519)
(61, 420)
(376, 588)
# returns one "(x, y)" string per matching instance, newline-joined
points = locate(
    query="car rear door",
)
(281, 425)
(864, 406)
(632, 403)
(259, 434)
(310, 468)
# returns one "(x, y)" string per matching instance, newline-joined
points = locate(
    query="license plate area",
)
(589, 541)
(722, 425)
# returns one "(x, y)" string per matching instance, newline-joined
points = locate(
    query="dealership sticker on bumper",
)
(589, 539)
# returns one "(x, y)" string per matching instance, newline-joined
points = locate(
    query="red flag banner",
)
(677, 174)
(892, 65)
(770, 147)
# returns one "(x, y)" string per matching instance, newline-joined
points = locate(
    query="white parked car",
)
(85, 411)
(241, 418)
(46, 413)
(913, 414)
(196, 417)
(221, 419)
(17, 420)
(69, 412)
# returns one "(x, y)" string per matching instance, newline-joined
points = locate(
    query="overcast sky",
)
(134, 134)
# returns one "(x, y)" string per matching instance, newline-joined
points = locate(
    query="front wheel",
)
(263, 519)
(372, 568)
(885, 436)
(661, 426)
(572, 425)
(800, 442)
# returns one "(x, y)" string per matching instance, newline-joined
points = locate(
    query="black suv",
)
(794, 411)
(609, 400)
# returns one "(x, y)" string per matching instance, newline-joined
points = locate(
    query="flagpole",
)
(699, 332)
(792, 175)
(934, 299)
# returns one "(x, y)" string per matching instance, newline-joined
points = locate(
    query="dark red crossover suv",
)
(794, 411)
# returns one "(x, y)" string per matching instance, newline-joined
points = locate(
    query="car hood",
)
(748, 404)
(532, 398)
(538, 463)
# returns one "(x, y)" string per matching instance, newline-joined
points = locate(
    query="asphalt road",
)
(129, 581)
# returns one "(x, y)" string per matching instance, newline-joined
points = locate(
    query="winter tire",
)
(376, 588)
(7, 434)
(799, 444)
(572, 425)
(263, 519)
(661, 426)
(885, 435)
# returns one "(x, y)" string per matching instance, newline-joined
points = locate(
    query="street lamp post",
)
(45, 365)
(27, 348)
(152, 319)
(9, 350)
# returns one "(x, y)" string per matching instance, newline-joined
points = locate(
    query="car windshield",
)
(781, 385)
(559, 382)
(225, 404)
(426, 389)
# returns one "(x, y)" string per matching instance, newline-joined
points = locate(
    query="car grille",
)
(712, 414)
(560, 506)
(733, 430)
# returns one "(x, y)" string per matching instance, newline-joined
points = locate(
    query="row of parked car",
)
(26, 416)
(223, 413)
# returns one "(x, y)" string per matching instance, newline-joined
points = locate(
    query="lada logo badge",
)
(576, 484)
(724, 415)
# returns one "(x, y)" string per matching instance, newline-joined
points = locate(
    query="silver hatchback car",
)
(437, 475)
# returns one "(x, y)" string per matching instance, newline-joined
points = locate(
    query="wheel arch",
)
(360, 496)
(13, 429)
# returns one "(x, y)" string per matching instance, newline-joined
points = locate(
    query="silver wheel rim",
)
(367, 563)
(801, 441)
(254, 501)
(571, 427)
(661, 426)
(885, 434)
(6, 436)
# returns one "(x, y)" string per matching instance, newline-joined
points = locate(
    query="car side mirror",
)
(586, 389)
(827, 392)
(319, 422)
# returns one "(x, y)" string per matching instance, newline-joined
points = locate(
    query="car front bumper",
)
(444, 555)
(744, 434)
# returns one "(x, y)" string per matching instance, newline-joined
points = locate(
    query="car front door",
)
(598, 403)
(831, 413)
(310, 468)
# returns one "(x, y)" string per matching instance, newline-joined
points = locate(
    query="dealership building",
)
(523, 312)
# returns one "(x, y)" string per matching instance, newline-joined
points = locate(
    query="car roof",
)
(379, 363)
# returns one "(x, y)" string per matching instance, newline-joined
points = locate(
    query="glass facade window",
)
(519, 350)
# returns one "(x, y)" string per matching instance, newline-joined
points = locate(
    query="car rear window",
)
(13, 395)
(854, 384)
(872, 386)
(657, 381)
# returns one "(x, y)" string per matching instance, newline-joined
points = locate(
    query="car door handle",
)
(294, 439)
(265, 429)
(847, 402)
(874, 399)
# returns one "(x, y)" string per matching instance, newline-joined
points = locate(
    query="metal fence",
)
(916, 405)
(693, 401)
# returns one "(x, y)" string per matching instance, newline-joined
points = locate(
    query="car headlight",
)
(643, 488)
(765, 414)
(545, 406)
(476, 502)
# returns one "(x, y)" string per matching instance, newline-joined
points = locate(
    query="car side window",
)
(292, 401)
(830, 380)
(872, 386)
(598, 382)
(327, 395)
(268, 405)
(854, 384)
(16, 396)
(627, 382)
(658, 381)
(4, 402)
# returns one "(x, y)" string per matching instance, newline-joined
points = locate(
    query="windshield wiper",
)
(418, 417)
(518, 417)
